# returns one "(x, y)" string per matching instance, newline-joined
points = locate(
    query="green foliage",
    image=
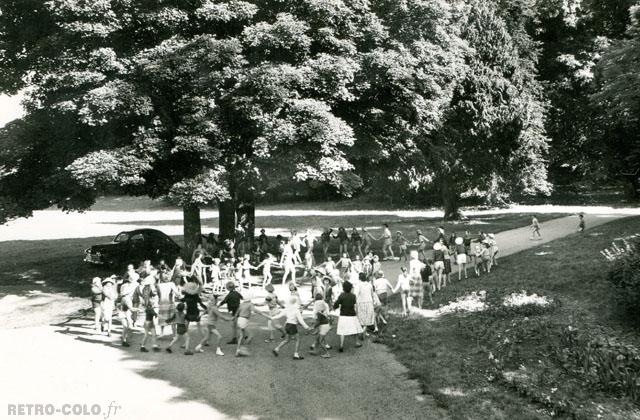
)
(624, 275)
(602, 361)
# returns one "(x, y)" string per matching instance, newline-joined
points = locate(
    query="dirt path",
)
(68, 363)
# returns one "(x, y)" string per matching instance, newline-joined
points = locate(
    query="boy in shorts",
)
(232, 300)
(180, 319)
(213, 314)
(294, 317)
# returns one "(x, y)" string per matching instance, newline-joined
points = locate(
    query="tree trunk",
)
(192, 230)
(226, 219)
(246, 215)
(631, 187)
(450, 201)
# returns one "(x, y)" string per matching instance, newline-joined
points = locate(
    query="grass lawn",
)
(526, 362)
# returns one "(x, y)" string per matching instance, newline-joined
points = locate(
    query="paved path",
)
(68, 363)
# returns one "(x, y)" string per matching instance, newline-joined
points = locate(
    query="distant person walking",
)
(581, 225)
(535, 229)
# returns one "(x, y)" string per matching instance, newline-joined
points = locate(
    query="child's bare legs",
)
(403, 298)
(297, 346)
(341, 342)
(173, 341)
(97, 315)
(282, 344)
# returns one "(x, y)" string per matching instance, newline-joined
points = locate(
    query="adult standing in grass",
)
(415, 269)
(535, 229)
(387, 241)
(348, 323)
(365, 310)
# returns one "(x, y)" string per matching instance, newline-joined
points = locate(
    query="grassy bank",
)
(568, 359)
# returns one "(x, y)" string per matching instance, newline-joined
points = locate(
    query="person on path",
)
(127, 289)
(438, 264)
(417, 289)
(365, 310)
(581, 224)
(109, 296)
(150, 330)
(243, 315)
(293, 319)
(383, 289)
(179, 319)
(348, 323)
(287, 261)
(168, 293)
(296, 243)
(213, 315)
(427, 280)
(266, 264)
(193, 304)
(535, 229)
(274, 305)
(321, 314)
(447, 264)
(232, 300)
(461, 257)
(96, 302)
(387, 241)
(404, 287)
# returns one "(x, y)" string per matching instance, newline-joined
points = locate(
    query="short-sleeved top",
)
(342, 236)
(355, 237)
(325, 236)
(461, 249)
(363, 291)
(347, 304)
(244, 310)
(438, 255)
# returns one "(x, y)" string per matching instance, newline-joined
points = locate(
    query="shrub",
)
(624, 274)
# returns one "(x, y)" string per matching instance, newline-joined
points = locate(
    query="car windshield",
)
(122, 237)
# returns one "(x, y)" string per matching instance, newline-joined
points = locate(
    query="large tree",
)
(454, 105)
(201, 102)
(617, 98)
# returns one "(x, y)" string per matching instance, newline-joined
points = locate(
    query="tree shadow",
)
(261, 386)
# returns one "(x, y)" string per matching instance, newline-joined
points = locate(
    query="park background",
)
(234, 111)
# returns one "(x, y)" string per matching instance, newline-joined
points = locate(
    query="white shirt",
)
(415, 266)
(292, 312)
(403, 283)
(363, 291)
(382, 285)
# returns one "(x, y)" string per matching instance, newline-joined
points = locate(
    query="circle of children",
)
(353, 285)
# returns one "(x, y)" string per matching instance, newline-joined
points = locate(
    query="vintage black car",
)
(133, 247)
